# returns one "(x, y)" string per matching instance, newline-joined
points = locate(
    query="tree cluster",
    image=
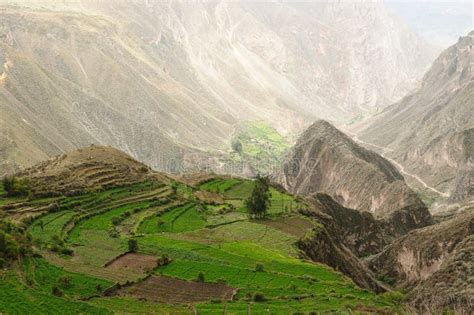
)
(16, 186)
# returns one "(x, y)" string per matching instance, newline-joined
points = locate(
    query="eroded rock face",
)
(336, 242)
(430, 132)
(435, 263)
(149, 77)
(326, 160)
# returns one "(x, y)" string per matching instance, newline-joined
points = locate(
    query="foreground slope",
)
(150, 79)
(196, 249)
(430, 132)
(435, 263)
(326, 160)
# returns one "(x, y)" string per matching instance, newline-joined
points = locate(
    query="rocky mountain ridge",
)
(430, 132)
(326, 160)
(149, 78)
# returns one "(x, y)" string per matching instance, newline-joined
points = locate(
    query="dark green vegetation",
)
(13, 186)
(259, 199)
(83, 241)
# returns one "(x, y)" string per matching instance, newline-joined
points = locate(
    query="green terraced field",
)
(216, 239)
(179, 219)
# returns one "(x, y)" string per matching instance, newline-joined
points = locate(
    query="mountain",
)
(435, 263)
(431, 132)
(326, 160)
(169, 82)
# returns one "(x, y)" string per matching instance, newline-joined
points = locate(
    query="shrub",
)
(53, 207)
(259, 267)
(64, 282)
(116, 220)
(57, 291)
(67, 251)
(258, 297)
(200, 277)
(132, 245)
(16, 186)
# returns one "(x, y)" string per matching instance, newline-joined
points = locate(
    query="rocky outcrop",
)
(430, 132)
(360, 231)
(326, 160)
(434, 262)
(86, 169)
(325, 244)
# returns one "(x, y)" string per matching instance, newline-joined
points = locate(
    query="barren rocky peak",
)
(430, 131)
(150, 77)
(89, 168)
(326, 160)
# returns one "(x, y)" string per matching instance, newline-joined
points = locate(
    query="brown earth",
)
(133, 261)
(89, 168)
(174, 291)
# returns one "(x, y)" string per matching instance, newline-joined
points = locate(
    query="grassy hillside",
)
(193, 255)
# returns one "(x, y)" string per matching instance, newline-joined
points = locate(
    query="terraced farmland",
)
(192, 255)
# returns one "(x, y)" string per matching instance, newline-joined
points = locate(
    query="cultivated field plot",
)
(133, 261)
(174, 291)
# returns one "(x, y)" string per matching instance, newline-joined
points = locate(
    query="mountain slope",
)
(435, 262)
(160, 246)
(326, 160)
(430, 132)
(151, 79)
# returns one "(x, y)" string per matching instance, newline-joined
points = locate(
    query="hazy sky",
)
(438, 22)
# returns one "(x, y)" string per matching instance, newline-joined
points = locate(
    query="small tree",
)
(237, 146)
(116, 220)
(200, 277)
(132, 245)
(259, 267)
(259, 201)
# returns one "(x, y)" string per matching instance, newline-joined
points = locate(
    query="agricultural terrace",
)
(189, 255)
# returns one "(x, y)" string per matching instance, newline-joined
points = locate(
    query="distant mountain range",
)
(431, 132)
(169, 82)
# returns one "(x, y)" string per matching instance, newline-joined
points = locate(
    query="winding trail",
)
(399, 166)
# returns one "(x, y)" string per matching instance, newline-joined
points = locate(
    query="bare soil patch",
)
(134, 262)
(174, 291)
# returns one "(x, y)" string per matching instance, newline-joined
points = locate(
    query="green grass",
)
(103, 221)
(260, 139)
(219, 185)
(52, 225)
(228, 250)
(44, 276)
(179, 219)
(31, 293)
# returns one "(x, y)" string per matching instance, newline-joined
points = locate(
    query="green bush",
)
(259, 267)
(200, 277)
(258, 297)
(132, 245)
(16, 186)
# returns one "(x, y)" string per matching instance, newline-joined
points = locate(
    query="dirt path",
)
(399, 166)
